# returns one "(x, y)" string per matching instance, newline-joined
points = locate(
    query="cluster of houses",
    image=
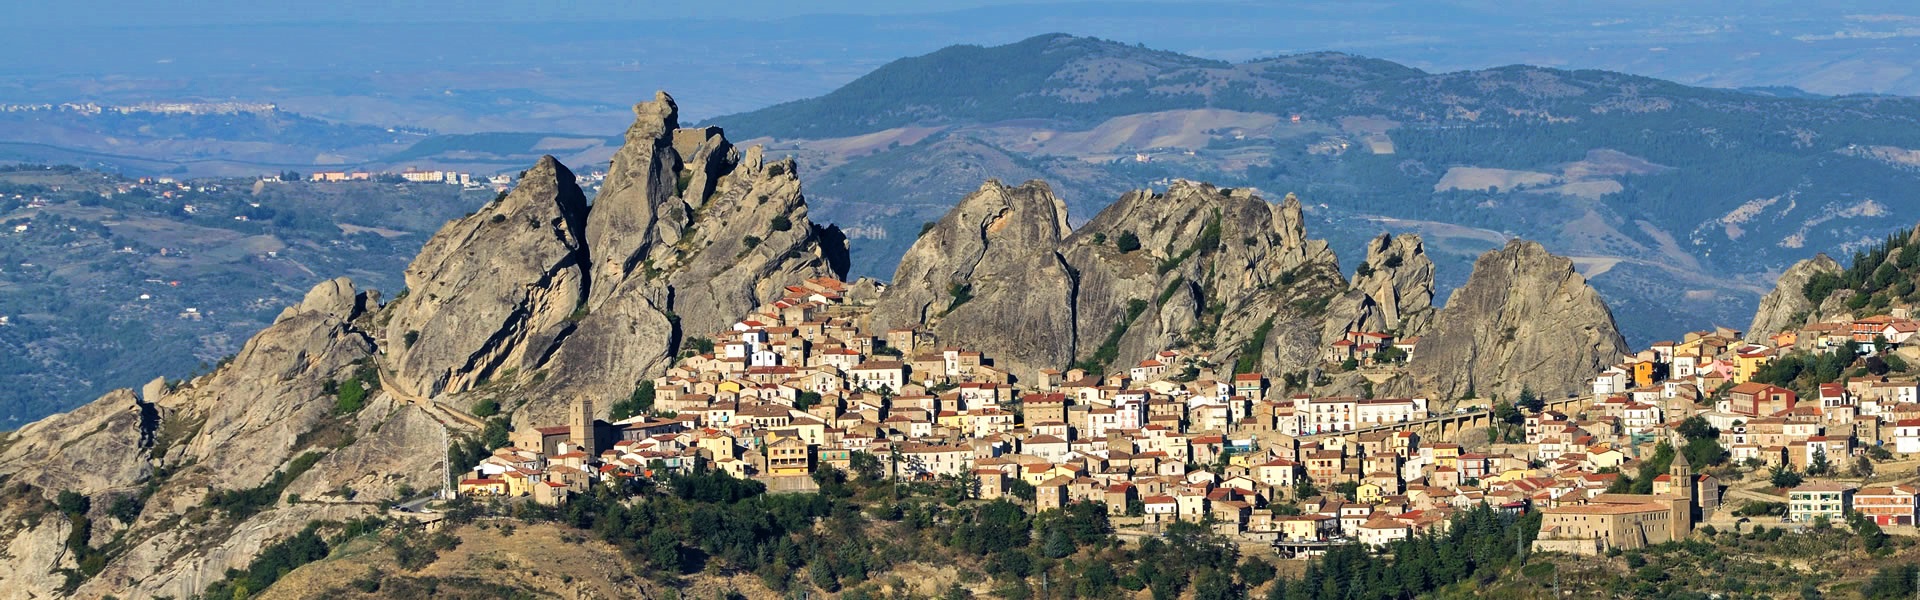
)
(802, 385)
(1370, 348)
(1711, 374)
(499, 182)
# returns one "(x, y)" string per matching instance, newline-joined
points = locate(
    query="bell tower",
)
(1680, 491)
(580, 427)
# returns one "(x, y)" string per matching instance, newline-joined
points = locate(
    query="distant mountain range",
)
(1682, 203)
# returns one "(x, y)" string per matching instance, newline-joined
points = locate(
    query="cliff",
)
(1196, 266)
(1524, 320)
(1391, 290)
(559, 299)
(1787, 305)
(174, 445)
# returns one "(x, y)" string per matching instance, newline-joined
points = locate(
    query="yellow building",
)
(483, 487)
(1368, 493)
(1447, 455)
(1747, 363)
(1621, 521)
(1591, 529)
(1509, 475)
(721, 446)
(955, 420)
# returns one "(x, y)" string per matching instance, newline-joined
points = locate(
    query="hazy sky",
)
(71, 13)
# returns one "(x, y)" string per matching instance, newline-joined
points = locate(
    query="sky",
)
(126, 13)
(444, 64)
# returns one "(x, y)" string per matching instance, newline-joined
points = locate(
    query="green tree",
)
(1213, 584)
(1895, 363)
(1696, 427)
(126, 508)
(1127, 242)
(640, 402)
(495, 434)
(1818, 466)
(1784, 477)
(1303, 488)
(1530, 401)
(1862, 467)
(1255, 572)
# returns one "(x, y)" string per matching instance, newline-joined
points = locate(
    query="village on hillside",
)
(799, 387)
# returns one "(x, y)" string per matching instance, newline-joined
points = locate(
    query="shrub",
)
(351, 398)
(486, 408)
(1127, 242)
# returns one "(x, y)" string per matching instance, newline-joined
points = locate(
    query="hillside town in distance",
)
(799, 386)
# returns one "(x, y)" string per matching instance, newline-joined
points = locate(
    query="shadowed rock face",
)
(1787, 305)
(1524, 320)
(495, 290)
(225, 431)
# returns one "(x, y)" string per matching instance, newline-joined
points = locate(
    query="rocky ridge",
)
(541, 297)
(561, 299)
(1391, 291)
(1195, 265)
(538, 294)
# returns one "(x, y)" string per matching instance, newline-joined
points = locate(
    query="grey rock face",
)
(988, 271)
(229, 430)
(493, 291)
(1524, 320)
(1787, 305)
(1392, 290)
(1200, 266)
(642, 178)
(687, 234)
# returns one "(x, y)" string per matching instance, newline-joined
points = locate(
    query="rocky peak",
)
(687, 234)
(1195, 265)
(495, 290)
(987, 274)
(1392, 290)
(1787, 305)
(990, 230)
(640, 180)
(1524, 320)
